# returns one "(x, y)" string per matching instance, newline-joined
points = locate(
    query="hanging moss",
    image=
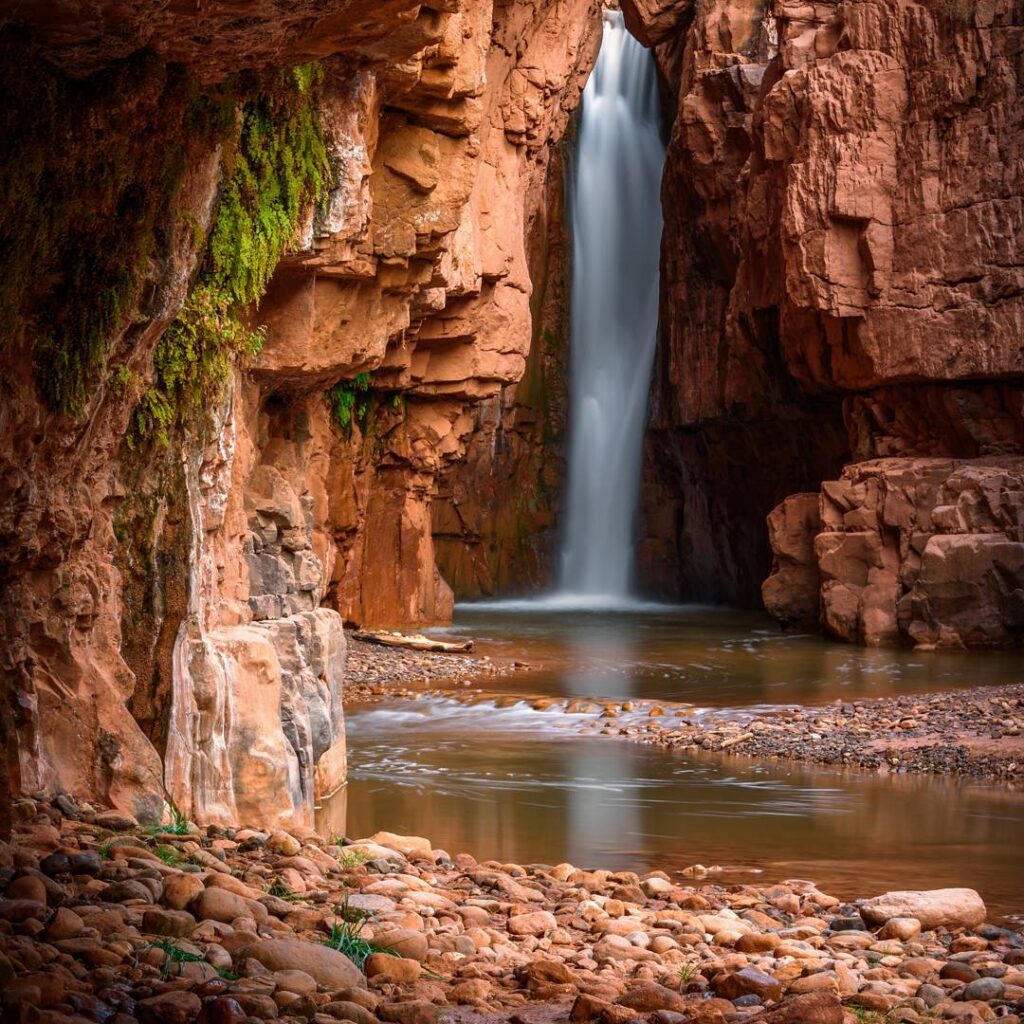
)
(86, 198)
(278, 168)
(349, 400)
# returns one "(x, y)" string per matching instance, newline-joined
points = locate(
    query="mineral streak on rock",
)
(176, 625)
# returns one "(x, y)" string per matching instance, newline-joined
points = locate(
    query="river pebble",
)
(417, 937)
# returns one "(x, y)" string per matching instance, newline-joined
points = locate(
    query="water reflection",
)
(500, 784)
(708, 656)
(519, 784)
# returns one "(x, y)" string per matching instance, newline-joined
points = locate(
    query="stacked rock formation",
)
(841, 282)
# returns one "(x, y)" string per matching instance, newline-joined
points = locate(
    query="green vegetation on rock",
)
(356, 401)
(93, 197)
(349, 399)
(345, 935)
(278, 168)
(86, 198)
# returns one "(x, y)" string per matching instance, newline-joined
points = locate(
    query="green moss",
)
(279, 166)
(350, 400)
(86, 202)
(192, 363)
(122, 381)
(92, 197)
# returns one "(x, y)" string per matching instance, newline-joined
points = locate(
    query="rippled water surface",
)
(522, 785)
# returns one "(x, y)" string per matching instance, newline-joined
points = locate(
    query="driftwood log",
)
(414, 642)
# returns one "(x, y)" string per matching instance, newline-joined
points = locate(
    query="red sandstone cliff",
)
(172, 619)
(842, 287)
(843, 278)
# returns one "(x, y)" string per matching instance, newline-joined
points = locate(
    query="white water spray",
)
(616, 223)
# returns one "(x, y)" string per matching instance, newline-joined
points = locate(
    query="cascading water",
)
(616, 224)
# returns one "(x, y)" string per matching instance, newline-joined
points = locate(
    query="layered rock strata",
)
(495, 515)
(842, 279)
(930, 550)
(172, 620)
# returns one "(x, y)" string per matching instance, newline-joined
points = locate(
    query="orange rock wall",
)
(172, 621)
(842, 271)
(434, 296)
(495, 516)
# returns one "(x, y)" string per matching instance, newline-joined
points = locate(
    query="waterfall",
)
(616, 225)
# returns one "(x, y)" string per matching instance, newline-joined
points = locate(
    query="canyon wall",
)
(172, 612)
(843, 286)
(839, 380)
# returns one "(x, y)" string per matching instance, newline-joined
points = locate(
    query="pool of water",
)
(521, 785)
(713, 657)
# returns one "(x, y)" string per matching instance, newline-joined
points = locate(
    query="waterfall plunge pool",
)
(521, 785)
(501, 780)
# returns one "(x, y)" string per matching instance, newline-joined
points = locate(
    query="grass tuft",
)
(349, 859)
(168, 854)
(178, 826)
(283, 892)
(344, 935)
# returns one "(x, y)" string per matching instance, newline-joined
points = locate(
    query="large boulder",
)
(934, 908)
(748, 981)
(810, 1008)
(655, 21)
(331, 969)
(407, 845)
(792, 593)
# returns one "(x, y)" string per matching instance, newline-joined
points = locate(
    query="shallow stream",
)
(522, 785)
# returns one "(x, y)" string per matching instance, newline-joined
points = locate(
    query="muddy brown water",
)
(521, 785)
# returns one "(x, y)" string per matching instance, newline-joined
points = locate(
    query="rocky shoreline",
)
(374, 673)
(105, 920)
(977, 733)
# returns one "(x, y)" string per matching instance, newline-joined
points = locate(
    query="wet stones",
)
(373, 672)
(953, 908)
(328, 967)
(974, 733)
(747, 981)
(535, 923)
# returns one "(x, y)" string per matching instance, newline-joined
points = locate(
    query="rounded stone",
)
(27, 887)
(394, 968)
(984, 989)
(180, 890)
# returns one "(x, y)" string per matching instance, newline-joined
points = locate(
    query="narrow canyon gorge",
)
(837, 407)
(576, 428)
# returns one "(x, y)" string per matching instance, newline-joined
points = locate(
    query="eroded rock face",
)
(433, 296)
(495, 514)
(842, 266)
(177, 621)
(791, 592)
(930, 550)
